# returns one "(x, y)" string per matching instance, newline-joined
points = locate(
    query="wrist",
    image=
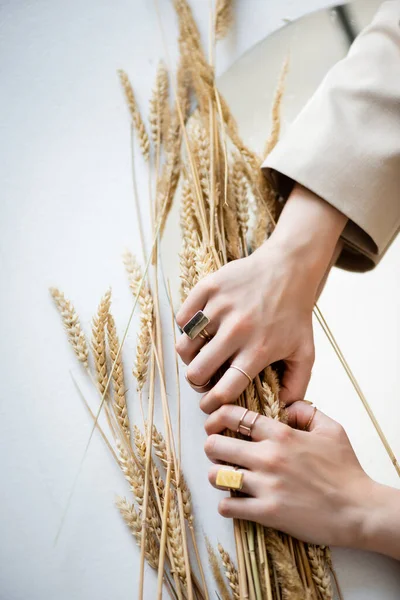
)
(379, 529)
(307, 233)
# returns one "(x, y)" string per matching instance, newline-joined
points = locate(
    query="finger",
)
(196, 300)
(228, 417)
(212, 357)
(296, 377)
(299, 415)
(248, 509)
(230, 450)
(187, 348)
(227, 390)
(250, 480)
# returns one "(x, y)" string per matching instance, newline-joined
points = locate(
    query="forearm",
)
(380, 530)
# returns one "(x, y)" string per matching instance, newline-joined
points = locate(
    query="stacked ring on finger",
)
(246, 429)
(198, 387)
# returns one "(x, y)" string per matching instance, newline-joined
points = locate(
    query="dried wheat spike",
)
(186, 499)
(231, 223)
(223, 18)
(239, 190)
(224, 593)
(120, 406)
(320, 571)
(183, 88)
(135, 115)
(143, 347)
(270, 399)
(190, 241)
(291, 586)
(175, 538)
(169, 179)
(99, 341)
(201, 150)
(205, 262)
(230, 571)
(140, 444)
(276, 109)
(133, 474)
(132, 519)
(158, 104)
(160, 449)
(72, 326)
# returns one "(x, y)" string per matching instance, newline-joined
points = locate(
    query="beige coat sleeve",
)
(345, 144)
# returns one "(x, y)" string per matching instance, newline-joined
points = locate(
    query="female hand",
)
(307, 484)
(260, 307)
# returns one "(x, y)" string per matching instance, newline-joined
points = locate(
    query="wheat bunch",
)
(72, 326)
(223, 18)
(133, 521)
(230, 571)
(137, 120)
(320, 571)
(183, 88)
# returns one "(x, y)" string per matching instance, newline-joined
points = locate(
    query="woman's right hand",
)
(260, 307)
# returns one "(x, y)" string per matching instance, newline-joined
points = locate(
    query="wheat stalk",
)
(137, 120)
(72, 326)
(175, 538)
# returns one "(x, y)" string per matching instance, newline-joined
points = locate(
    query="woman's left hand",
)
(306, 483)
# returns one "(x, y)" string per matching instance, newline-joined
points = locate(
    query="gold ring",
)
(195, 386)
(241, 370)
(229, 478)
(204, 335)
(246, 429)
(196, 324)
(310, 420)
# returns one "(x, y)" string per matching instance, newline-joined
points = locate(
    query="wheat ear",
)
(223, 18)
(320, 571)
(120, 406)
(133, 521)
(158, 104)
(135, 115)
(175, 538)
(72, 326)
(292, 588)
(99, 341)
(223, 591)
(230, 571)
(276, 110)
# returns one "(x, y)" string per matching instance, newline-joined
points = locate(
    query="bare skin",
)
(306, 483)
(261, 306)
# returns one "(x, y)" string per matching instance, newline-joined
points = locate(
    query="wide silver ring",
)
(196, 325)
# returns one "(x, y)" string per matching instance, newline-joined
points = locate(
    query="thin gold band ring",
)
(195, 386)
(310, 420)
(241, 371)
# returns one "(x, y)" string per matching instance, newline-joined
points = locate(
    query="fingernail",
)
(308, 402)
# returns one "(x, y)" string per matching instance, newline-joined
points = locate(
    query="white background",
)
(67, 213)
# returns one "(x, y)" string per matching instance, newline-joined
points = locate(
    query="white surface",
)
(66, 215)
